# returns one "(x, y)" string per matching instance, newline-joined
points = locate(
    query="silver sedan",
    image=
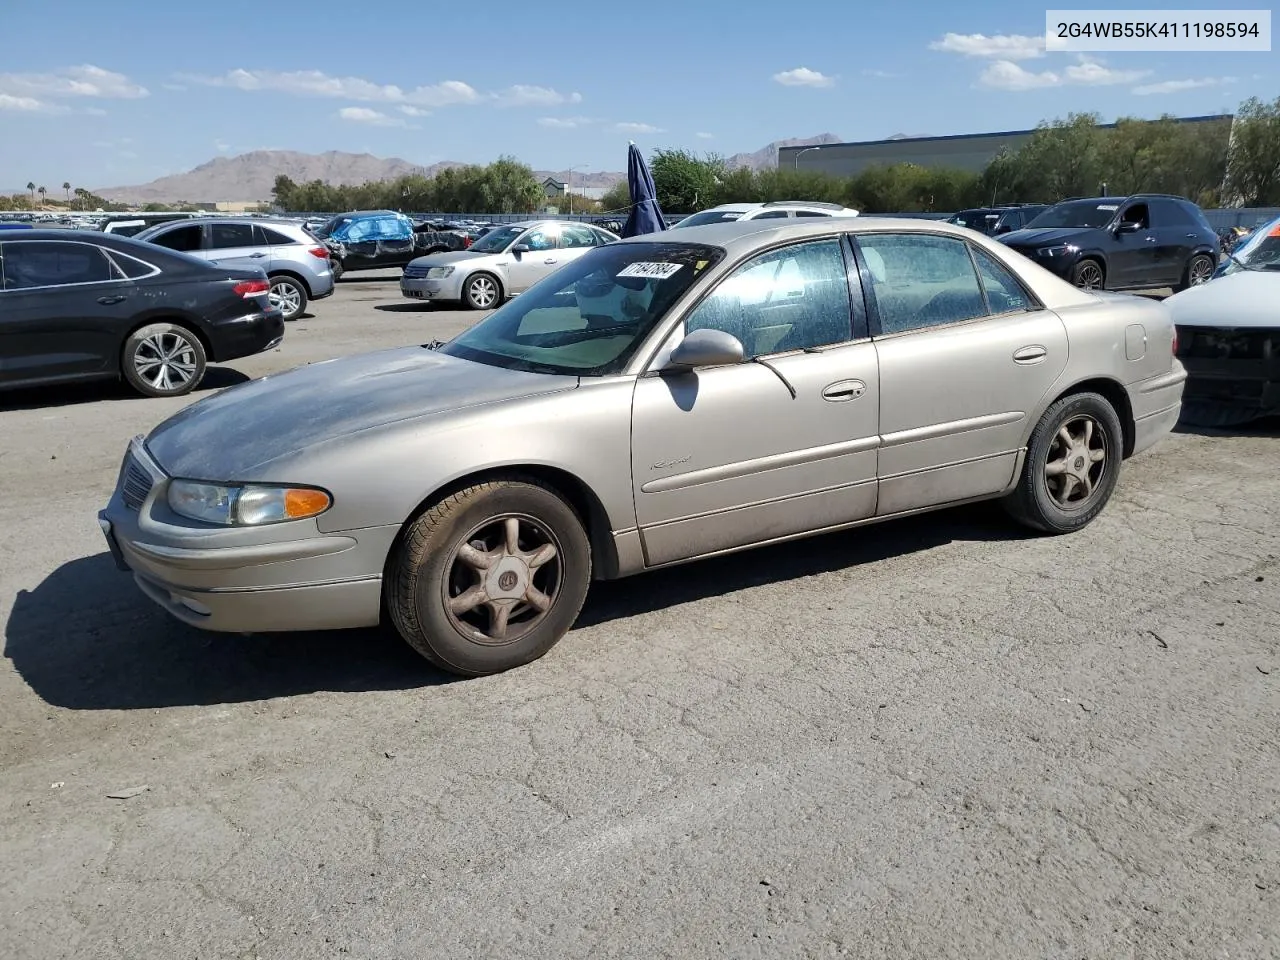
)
(504, 262)
(658, 400)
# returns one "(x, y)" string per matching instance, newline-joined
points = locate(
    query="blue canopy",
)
(646, 215)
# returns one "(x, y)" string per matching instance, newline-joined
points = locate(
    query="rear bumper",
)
(1156, 404)
(246, 335)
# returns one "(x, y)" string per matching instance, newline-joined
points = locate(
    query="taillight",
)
(320, 253)
(1175, 341)
(251, 288)
(467, 241)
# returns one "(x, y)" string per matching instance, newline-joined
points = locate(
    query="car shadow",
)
(1262, 427)
(70, 394)
(86, 639)
(415, 307)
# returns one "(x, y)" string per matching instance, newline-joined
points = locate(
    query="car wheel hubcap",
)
(285, 297)
(1201, 270)
(503, 579)
(1090, 277)
(483, 291)
(1076, 462)
(167, 361)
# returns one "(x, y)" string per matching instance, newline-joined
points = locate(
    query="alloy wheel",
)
(502, 579)
(483, 292)
(1076, 462)
(285, 297)
(1089, 276)
(167, 361)
(1201, 271)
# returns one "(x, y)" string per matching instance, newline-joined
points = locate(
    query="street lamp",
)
(568, 187)
(802, 153)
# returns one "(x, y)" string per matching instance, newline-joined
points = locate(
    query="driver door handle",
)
(843, 390)
(107, 301)
(1030, 354)
(257, 256)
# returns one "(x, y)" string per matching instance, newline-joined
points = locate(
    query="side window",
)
(539, 240)
(1137, 213)
(1171, 213)
(811, 213)
(602, 238)
(393, 228)
(770, 215)
(783, 300)
(52, 264)
(130, 267)
(360, 230)
(264, 236)
(182, 239)
(921, 281)
(1004, 293)
(224, 236)
(574, 236)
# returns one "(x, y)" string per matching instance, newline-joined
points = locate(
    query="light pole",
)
(568, 187)
(801, 153)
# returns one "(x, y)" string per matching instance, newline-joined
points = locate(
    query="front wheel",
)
(491, 577)
(1088, 275)
(288, 296)
(163, 360)
(481, 292)
(1199, 270)
(1072, 465)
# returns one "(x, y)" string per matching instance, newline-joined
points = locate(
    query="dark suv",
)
(1122, 243)
(996, 220)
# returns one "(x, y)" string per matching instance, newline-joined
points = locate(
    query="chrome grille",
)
(135, 484)
(415, 273)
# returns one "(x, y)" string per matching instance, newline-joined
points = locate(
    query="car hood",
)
(1044, 236)
(445, 259)
(1245, 299)
(228, 436)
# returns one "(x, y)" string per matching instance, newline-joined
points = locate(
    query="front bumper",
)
(281, 577)
(1233, 373)
(420, 288)
(246, 335)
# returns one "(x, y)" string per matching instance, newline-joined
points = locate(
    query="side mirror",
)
(707, 348)
(521, 248)
(1003, 228)
(1128, 226)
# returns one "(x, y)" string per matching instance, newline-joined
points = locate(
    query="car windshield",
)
(710, 216)
(1260, 252)
(1076, 213)
(590, 316)
(495, 241)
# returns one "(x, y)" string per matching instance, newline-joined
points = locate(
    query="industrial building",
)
(966, 151)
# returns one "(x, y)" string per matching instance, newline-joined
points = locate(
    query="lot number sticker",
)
(659, 271)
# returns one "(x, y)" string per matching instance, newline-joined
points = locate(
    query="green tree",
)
(31, 189)
(66, 189)
(1253, 164)
(617, 199)
(685, 183)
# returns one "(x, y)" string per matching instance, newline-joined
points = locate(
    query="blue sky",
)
(104, 94)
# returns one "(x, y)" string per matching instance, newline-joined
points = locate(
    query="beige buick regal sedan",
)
(660, 399)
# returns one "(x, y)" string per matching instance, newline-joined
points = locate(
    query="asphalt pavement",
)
(933, 738)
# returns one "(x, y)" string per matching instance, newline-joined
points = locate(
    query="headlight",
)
(438, 273)
(1059, 251)
(248, 505)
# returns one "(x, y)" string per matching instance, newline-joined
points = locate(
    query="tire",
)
(1038, 502)
(336, 269)
(1199, 270)
(163, 360)
(482, 292)
(432, 566)
(1089, 274)
(289, 295)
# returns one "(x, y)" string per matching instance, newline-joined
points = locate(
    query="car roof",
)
(739, 234)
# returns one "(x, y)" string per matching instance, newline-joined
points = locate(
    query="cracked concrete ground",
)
(933, 738)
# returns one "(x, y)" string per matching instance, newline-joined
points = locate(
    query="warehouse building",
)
(966, 151)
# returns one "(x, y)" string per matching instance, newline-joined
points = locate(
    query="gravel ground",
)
(933, 738)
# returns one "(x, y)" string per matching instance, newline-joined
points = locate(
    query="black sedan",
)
(82, 305)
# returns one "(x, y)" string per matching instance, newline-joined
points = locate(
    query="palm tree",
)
(66, 188)
(44, 192)
(31, 188)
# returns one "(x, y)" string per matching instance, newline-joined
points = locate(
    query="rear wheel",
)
(1088, 275)
(491, 577)
(163, 360)
(1072, 465)
(482, 292)
(288, 296)
(1199, 270)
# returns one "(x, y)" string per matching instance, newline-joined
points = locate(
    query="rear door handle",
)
(550, 260)
(107, 301)
(257, 256)
(1191, 236)
(1033, 353)
(1151, 239)
(843, 390)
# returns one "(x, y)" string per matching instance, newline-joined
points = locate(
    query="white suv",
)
(728, 212)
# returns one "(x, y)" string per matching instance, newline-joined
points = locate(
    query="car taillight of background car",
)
(251, 288)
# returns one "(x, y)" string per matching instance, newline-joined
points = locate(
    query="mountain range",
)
(250, 176)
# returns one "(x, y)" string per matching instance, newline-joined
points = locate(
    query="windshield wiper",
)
(433, 345)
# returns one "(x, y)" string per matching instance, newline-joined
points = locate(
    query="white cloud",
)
(880, 74)
(565, 123)
(221, 146)
(24, 104)
(372, 117)
(999, 46)
(410, 111)
(803, 77)
(175, 87)
(1007, 75)
(1176, 86)
(34, 92)
(95, 111)
(705, 136)
(315, 83)
(636, 128)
